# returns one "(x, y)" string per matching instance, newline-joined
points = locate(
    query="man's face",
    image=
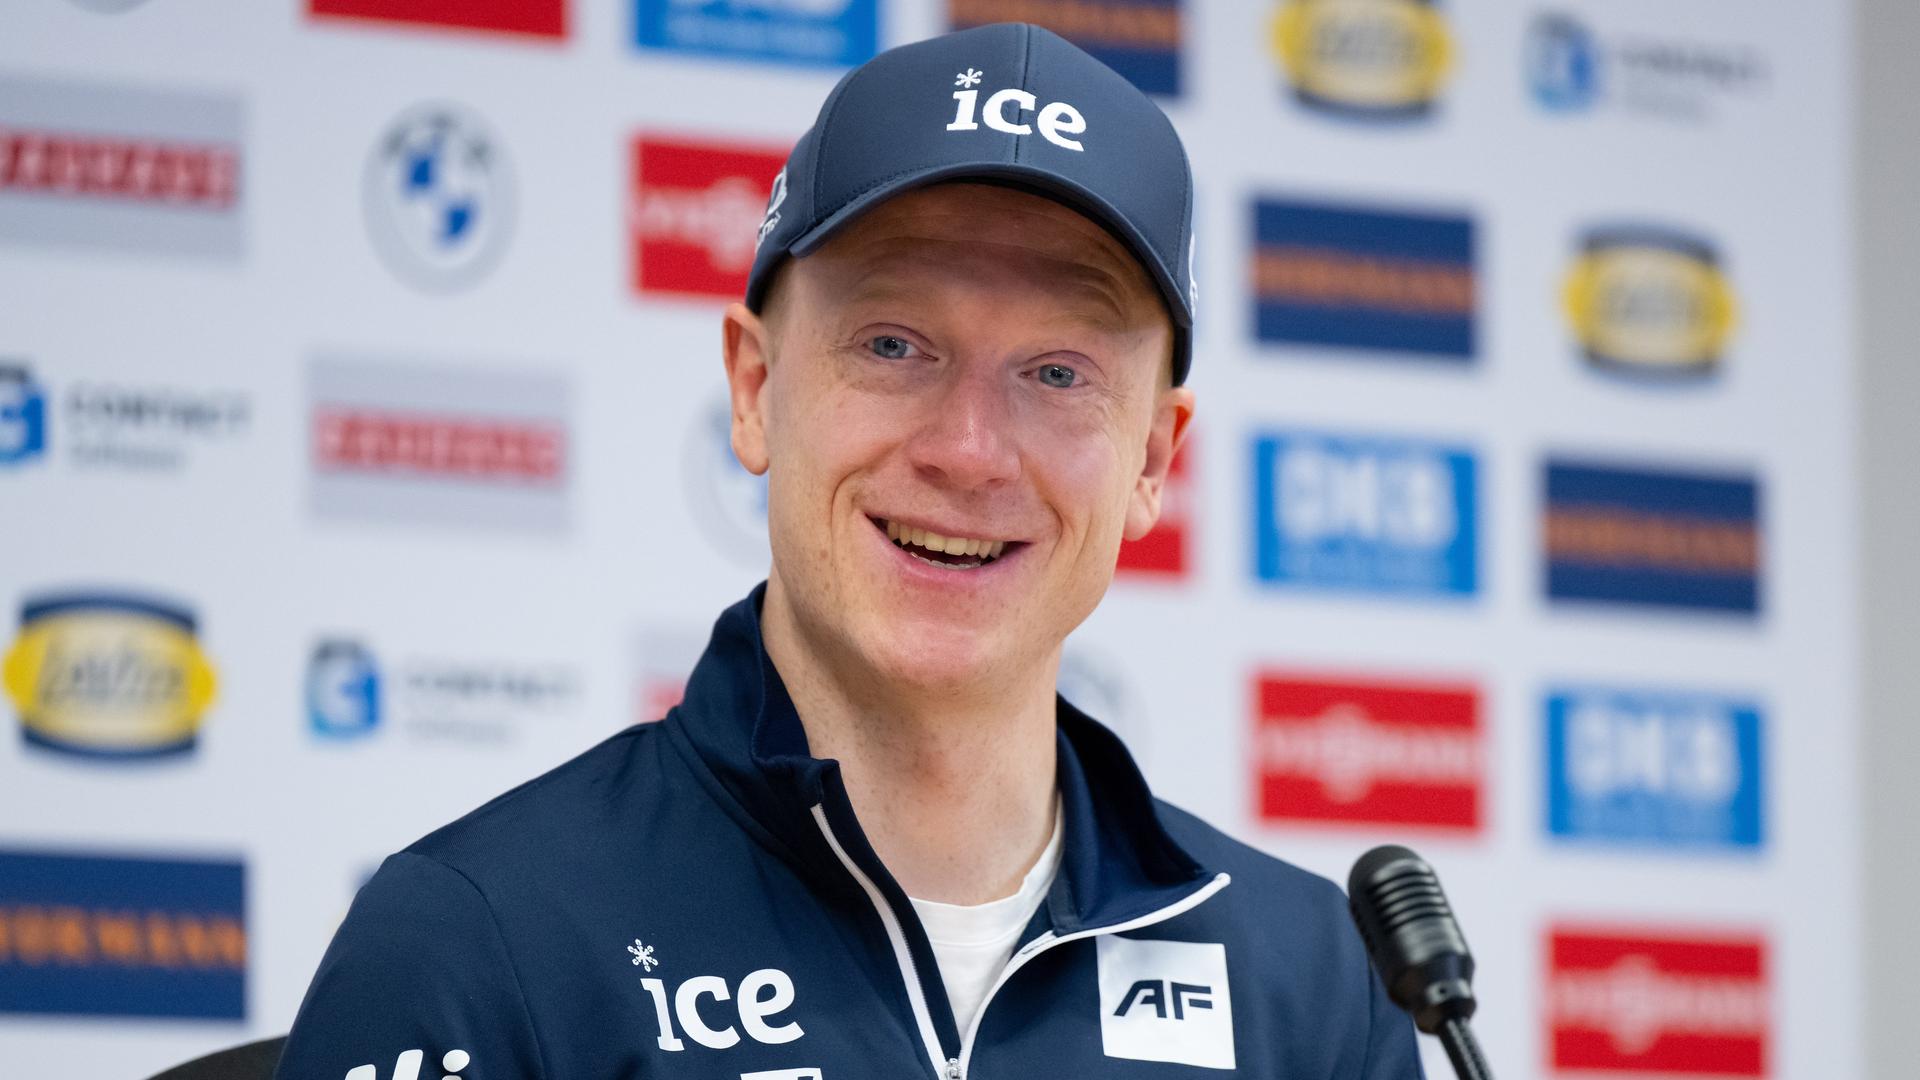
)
(966, 361)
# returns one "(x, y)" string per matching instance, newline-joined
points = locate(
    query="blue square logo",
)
(1367, 514)
(1654, 769)
(23, 416)
(827, 33)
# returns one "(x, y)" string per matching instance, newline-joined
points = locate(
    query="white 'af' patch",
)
(1165, 1001)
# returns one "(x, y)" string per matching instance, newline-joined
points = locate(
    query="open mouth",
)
(946, 552)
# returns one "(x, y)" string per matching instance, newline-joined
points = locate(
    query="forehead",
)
(987, 234)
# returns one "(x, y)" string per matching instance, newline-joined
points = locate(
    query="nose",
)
(965, 440)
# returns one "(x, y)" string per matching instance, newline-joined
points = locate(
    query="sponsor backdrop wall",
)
(363, 452)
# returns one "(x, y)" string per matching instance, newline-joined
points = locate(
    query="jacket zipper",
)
(957, 1070)
(944, 1067)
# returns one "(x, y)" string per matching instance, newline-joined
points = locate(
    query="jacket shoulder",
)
(561, 810)
(1308, 962)
(1253, 870)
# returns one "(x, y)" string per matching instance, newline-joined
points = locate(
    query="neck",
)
(954, 788)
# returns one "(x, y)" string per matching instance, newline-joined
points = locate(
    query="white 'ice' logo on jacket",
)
(407, 1066)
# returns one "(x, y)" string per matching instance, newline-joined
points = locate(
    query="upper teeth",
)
(952, 545)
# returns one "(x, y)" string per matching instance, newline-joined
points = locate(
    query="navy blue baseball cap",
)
(1009, 103)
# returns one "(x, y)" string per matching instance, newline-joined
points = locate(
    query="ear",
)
(747, 347)
(1172, 411)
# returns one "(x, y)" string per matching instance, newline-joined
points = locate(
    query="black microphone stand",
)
(1416, 945)
(1463, 1050)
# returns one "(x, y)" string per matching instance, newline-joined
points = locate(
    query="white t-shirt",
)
(973, 943)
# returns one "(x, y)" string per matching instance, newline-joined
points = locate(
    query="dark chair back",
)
(253, 1061)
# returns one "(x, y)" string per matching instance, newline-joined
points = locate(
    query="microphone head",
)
(1412, 936)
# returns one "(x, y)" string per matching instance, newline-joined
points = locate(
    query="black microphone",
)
(1417, 948)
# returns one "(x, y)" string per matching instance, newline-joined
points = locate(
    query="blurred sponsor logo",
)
(1572, 69)
(1372, 514)
(439, 198)
(148, 427)
(694, 211)
(837, 33)
(23, 416)
(108, 675)
(1563, 62)
(1364, 278)
(1650, 301)
(729, 503)
(1381, 753)
(396, 441)
(1140, 39)
(666, 658)
(1657, 1003)
(112, 426)
(1165, 553)
(1364, 59)
(143, 170)
(1654, 768)
(442, 699)
(536, 18)
(180, 174)
(1661, 538)
(88, 935)
(343, 690)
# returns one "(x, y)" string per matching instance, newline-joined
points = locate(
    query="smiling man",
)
(873, 841)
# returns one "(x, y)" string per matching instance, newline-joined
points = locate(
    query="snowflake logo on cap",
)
(969, 77)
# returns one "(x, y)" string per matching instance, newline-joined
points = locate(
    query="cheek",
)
(1088, 477)
(818, 436)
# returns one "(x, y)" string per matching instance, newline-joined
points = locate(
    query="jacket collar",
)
(1118, 862)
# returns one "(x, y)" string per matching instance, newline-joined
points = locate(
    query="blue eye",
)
(891, 347)
(1058, 375)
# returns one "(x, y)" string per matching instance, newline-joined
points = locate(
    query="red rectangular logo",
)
(535, 18)
(467, 448)
(1165, 551)
(1374, 753)
(694, 213)
(1637, 1001)
(192, 175)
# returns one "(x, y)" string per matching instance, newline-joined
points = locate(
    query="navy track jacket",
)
(694, 900)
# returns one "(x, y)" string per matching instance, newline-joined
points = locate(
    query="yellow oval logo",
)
(109, 675)
(1651, 301)
(1375, 58)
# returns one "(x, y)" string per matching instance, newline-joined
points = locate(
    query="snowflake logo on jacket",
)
(643, 954)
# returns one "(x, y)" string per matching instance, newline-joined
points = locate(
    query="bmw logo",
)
(439, 198)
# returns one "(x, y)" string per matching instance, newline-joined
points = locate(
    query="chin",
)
(937, 658)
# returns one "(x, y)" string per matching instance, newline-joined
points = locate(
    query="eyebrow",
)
(1096, 301)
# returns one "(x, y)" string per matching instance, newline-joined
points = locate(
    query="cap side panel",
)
(1188, 231)
(824, 125)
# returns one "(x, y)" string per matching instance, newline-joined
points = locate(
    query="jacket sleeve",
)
(418, 984)
(1393, 1049)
